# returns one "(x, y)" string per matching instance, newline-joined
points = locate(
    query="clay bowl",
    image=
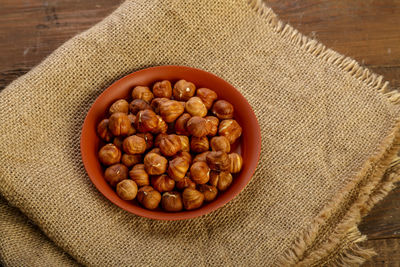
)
(249, 145)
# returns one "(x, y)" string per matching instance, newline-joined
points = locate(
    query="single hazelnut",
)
(230, 129)
(134, 145)
(184, 143)
(162, 126)
(184, 183)
(120, 105)
(156, 102)
(137, 105)
(109, 154)
(103, 131)
(210, 192)
(185, 155)
(236, 163)
(218, 161)
(131, 160)
(142, 92)
(212, 125)
(162, 89)
(196, 126)
(148, 138)
(132, 119)
(195, 107)
(223, 109)
(117, 141)
(146, 121)
(162, 183)
(156, 150)
(177, 168)
(148, 197)
(115, 174)
(200, 172)
(172, 201)
(207, 96)
(220, 143)
(170, 110)
(201, 157)
(119, 124)
(199, 144)
(158, 139)
(170, 145)
(155, 164)
(221, 180)
(183, 90)
(192, 199)
(127, 189)
(180, 124)
(139, 175)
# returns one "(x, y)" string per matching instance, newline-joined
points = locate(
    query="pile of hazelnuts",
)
(170, 145)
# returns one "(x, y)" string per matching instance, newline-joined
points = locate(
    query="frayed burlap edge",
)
(375, 180)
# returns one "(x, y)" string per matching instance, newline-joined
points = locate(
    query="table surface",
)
(366, 30)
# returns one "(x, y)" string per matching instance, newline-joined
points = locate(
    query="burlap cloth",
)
(329, 135)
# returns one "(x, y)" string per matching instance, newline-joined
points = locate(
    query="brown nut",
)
(109, 154)
(180, 124)
(142, 92)
(192, 199)
(137, 105)
(120, 105)
(156, 102)
(223, 109)
(207, 96)
(103, 131)
(199, 144)
(162, 126)
(139, 175)
(183, 90)
(156, 150)
(170, 110)
(131, 160)
(177, 168)
(210, 192)
(230, 129)
(212, 125)
(236, 163)
(148, 197)
(184, 143)
(146, 121)
(200, 172)
(117, 141)
(195, 107)
(172, 201)
(170, 145)
(158, 139)
(155, 164)
(119, 124)
(221, 180)
(162, 89)
(115, 174)
(185, 155)
(201, 157)
(134, 145)
(132, 119)
(162, 183)
(148, 138)
(184, 183)
(220, 143)
(218, 161)
(127, 189)
(197, 127)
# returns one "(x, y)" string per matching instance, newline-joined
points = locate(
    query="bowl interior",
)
(249, 145)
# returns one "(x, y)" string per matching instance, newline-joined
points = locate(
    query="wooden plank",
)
(387, 253)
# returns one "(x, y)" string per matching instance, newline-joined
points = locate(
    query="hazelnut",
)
(200, 172)
(155, 164)
(221, 180)
(170, 110)
(196, 126)
(183, 103)
(162, 183)
(120, 105)
(116, 173)
(109, 154)
(212, 125)
(156, 150)
(183, 90)
(162, 126)
(210, 192)
(223, 109)
(184, 143)
(162, 89)
(156, 102)
(192, 199)
(170, 145)
(207, 96)
(119, 124)
(148, 197)
(177, 168)
(172, 201)
(180, 124)
(127, 189)
(158, 139)
(137, 105)
(220, 143)
(134, 145)
(201, 157)
(195, 107)
(117, 141)
(142, 92)
(199, 144)
(139, 175)
(103, 131)
(132, 119)
(146, 121)
(218, 161)
(230, 129)
(131, 160)
(184, 183)
(236, 162)
(185, 155)
(148, 138)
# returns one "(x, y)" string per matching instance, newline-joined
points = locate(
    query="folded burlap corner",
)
(329, 134)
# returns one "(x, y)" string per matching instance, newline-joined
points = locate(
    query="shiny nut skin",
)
(109, 154)
(117, 141)
(137, 105)
(146, 121)
(170, 145)
(131, 160)
(162, 89)
(207, 96)
(172, 201)
(148, 138)
(156, 150)
(212, 125)
(119, 124)
(183, 90)
(142, 92)
(200, 172)
(134, 145)
(116, 173)
(199, 144)
(148, 197)
(195, 107)
(184, 143)
(139, 175)
(236, 162)
(156, 102)
(162, 183)
(162, 126)
(177, 168)
(132, 119)
(180, 124)
(221, 180)
(120, 105)
(127, 189)
(230, 129)
(218, 161)
(220, 143)
(103, 132)
(192, 198)
(185, 155)
(210, 192)
(170, 110)
(158, 139)
(184, 183)
(197, 127)
(155, 164)
(201, 157)
(223, 109)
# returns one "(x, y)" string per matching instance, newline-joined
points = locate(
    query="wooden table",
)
(366, 30)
